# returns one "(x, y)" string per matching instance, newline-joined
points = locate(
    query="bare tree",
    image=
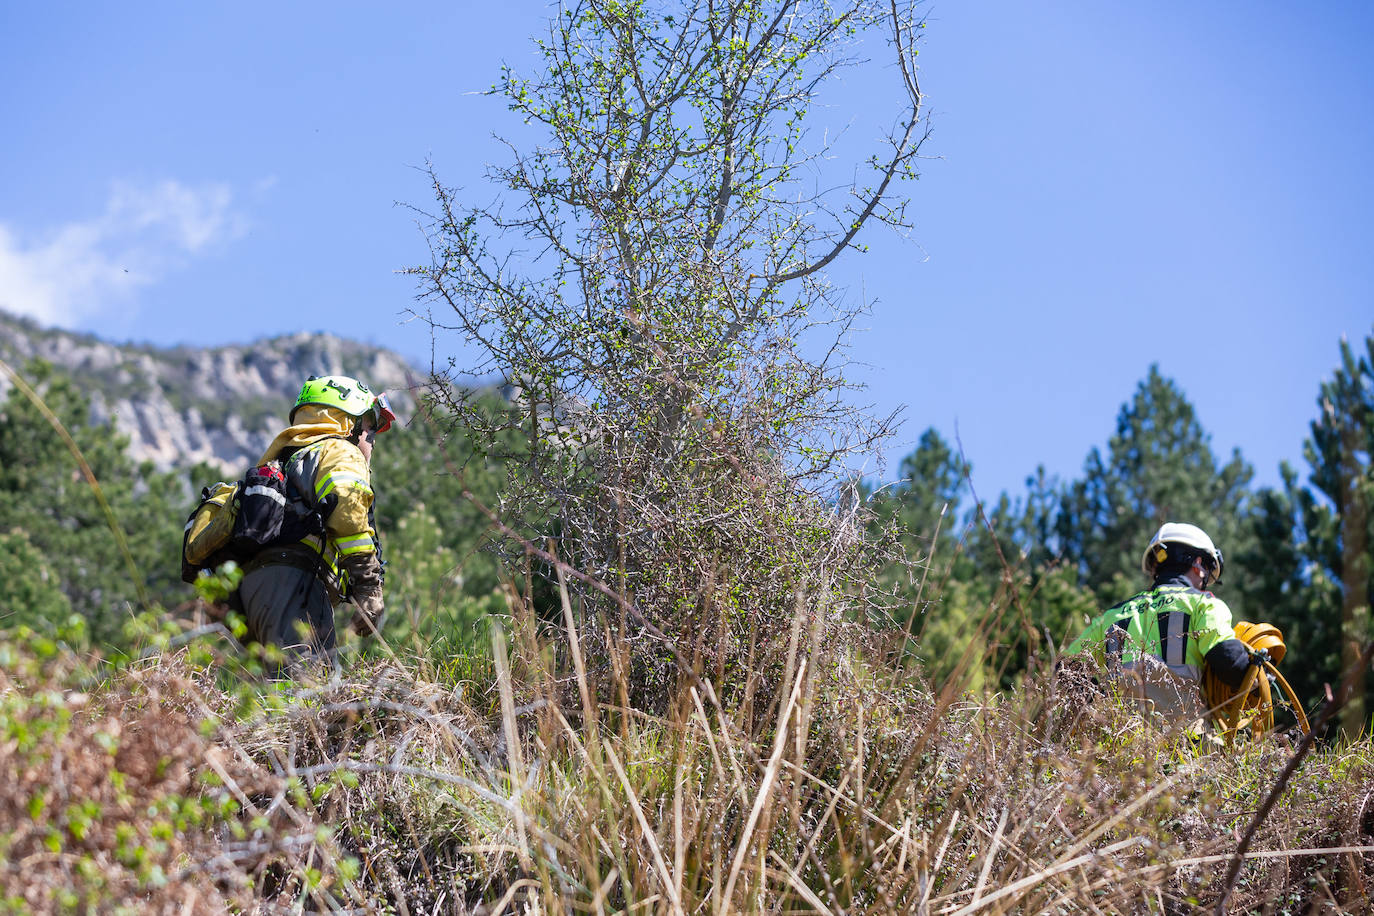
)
(652, 286)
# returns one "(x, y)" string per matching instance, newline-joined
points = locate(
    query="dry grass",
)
(108, 801)
(527, 787)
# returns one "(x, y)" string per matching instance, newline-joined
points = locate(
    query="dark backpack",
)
(262, 509)
(234, 521)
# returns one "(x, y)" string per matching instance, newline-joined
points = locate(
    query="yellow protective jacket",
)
(327, 472)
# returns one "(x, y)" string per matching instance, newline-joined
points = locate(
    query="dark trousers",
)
(287, 607)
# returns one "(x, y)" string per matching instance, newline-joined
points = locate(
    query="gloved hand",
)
(1259, 657)
(368, 614)
(363, 627)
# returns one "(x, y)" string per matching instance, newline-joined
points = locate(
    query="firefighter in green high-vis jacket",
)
(1159, 641)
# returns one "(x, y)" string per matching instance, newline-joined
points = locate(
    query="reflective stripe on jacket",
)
(332, 474)
(1172, 622)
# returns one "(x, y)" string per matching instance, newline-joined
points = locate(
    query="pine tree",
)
(1338, 453)
(921, 509)
(1159, 467)
(29, 591)
(929, 488)
(992, 584)
(1279, 582)
(441, 578)
(45, 494)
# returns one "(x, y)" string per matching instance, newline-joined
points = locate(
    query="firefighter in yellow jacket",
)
(288, 592)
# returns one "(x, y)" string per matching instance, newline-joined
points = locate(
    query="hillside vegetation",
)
(519, 783)
(689, 756)
(652, 647)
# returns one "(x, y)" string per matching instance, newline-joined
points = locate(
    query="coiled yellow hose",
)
(1252, 704)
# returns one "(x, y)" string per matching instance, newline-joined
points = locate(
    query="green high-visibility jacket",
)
(1174, 622)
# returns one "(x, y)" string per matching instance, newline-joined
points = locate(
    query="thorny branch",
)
(652, 302)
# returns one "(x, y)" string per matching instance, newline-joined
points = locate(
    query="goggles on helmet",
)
(381, 413)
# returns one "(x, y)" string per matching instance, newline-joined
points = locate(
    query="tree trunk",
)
(1354, 581)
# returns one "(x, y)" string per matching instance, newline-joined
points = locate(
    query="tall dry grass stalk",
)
(528, 786)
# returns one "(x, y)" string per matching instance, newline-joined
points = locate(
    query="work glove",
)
(1258, 657)
(369, 610)
(365, 591)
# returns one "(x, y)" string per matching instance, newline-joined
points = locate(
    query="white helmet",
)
(1183, 535)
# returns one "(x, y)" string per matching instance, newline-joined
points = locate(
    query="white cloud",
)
(69, 273)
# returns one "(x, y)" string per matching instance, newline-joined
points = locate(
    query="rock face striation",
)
(182, 405)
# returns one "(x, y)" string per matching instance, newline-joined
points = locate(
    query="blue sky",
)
(1111, 185)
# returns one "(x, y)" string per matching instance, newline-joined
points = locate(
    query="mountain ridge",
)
(182, 404)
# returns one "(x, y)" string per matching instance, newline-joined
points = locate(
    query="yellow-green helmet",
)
(347, 394)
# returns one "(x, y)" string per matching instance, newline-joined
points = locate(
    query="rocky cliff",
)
(180, 405)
